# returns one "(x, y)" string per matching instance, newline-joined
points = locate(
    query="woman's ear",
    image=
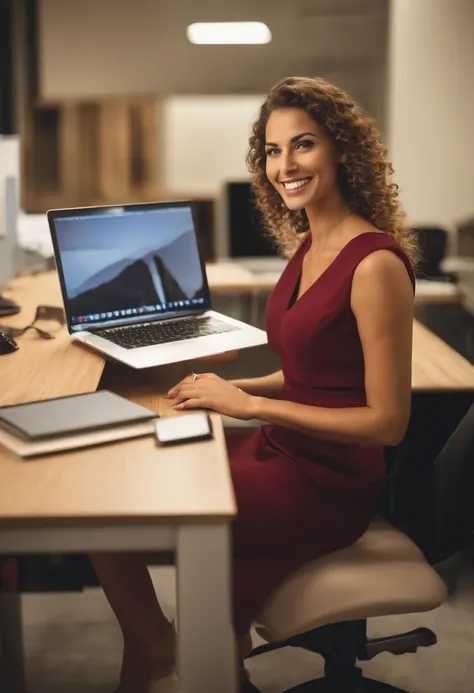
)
(342, 158)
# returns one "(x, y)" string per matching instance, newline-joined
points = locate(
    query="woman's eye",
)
(304, 144)
(272, 152)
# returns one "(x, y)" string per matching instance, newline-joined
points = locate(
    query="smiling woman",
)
(303, 167)
(316, 123)
(340, 322)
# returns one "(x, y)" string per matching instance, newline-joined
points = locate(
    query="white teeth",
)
(296, 184)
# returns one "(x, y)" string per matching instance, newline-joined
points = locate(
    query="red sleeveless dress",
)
(299, 497)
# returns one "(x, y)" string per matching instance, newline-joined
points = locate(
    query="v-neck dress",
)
(300, 497)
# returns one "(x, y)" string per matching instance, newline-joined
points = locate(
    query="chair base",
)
(363, 685)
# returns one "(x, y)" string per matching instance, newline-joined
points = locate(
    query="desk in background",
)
(233, 277)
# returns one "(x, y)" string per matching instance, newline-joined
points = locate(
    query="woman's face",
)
(301, 159)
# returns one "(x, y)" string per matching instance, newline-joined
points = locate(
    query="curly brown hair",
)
(364, 177)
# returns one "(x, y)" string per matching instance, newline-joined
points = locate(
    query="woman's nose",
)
(288, 164)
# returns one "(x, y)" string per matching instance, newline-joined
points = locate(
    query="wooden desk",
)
(436, 366)
(229, 277)
(133, 496)
(126, 496)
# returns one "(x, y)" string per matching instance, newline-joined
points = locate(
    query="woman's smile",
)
(295, 186)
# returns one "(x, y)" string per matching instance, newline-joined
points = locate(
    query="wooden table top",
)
(436, 365)
(134, 480)
(42, 369)
(229, 277)
(131, 481)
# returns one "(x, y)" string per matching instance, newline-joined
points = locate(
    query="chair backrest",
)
(452, 491)
(431, 500)
(432, 244)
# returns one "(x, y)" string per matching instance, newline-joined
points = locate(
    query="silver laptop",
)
(134, 284)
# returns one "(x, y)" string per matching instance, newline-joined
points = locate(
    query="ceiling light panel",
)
(229, 33)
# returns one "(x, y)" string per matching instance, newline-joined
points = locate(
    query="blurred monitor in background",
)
(433, 247)
(465, 238)
(248, 240)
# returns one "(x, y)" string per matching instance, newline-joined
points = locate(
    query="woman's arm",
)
(382, 302)
(266, 386)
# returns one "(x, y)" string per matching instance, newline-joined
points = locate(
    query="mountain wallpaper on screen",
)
(130, 288)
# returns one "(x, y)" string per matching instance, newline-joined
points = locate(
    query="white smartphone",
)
(173, 430)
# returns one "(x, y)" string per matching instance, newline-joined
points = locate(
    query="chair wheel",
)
(362, 686)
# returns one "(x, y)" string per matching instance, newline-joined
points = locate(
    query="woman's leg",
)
(149, 638)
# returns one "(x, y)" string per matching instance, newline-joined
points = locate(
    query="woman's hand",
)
(208, 391)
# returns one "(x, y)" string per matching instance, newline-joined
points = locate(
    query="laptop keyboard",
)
(152, 333)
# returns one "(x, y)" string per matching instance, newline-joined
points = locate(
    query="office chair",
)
(432, 244)
(325, 605)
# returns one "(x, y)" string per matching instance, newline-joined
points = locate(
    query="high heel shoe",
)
(167, 684)
(150, 670)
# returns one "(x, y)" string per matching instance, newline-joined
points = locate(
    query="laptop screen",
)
(125, 264)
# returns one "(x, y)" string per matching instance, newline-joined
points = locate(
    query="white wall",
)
(9, 168)
(431, 107)
(204, 142)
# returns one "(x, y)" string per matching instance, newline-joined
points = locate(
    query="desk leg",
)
(12, 673)
(206, 643)
(254, 308)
